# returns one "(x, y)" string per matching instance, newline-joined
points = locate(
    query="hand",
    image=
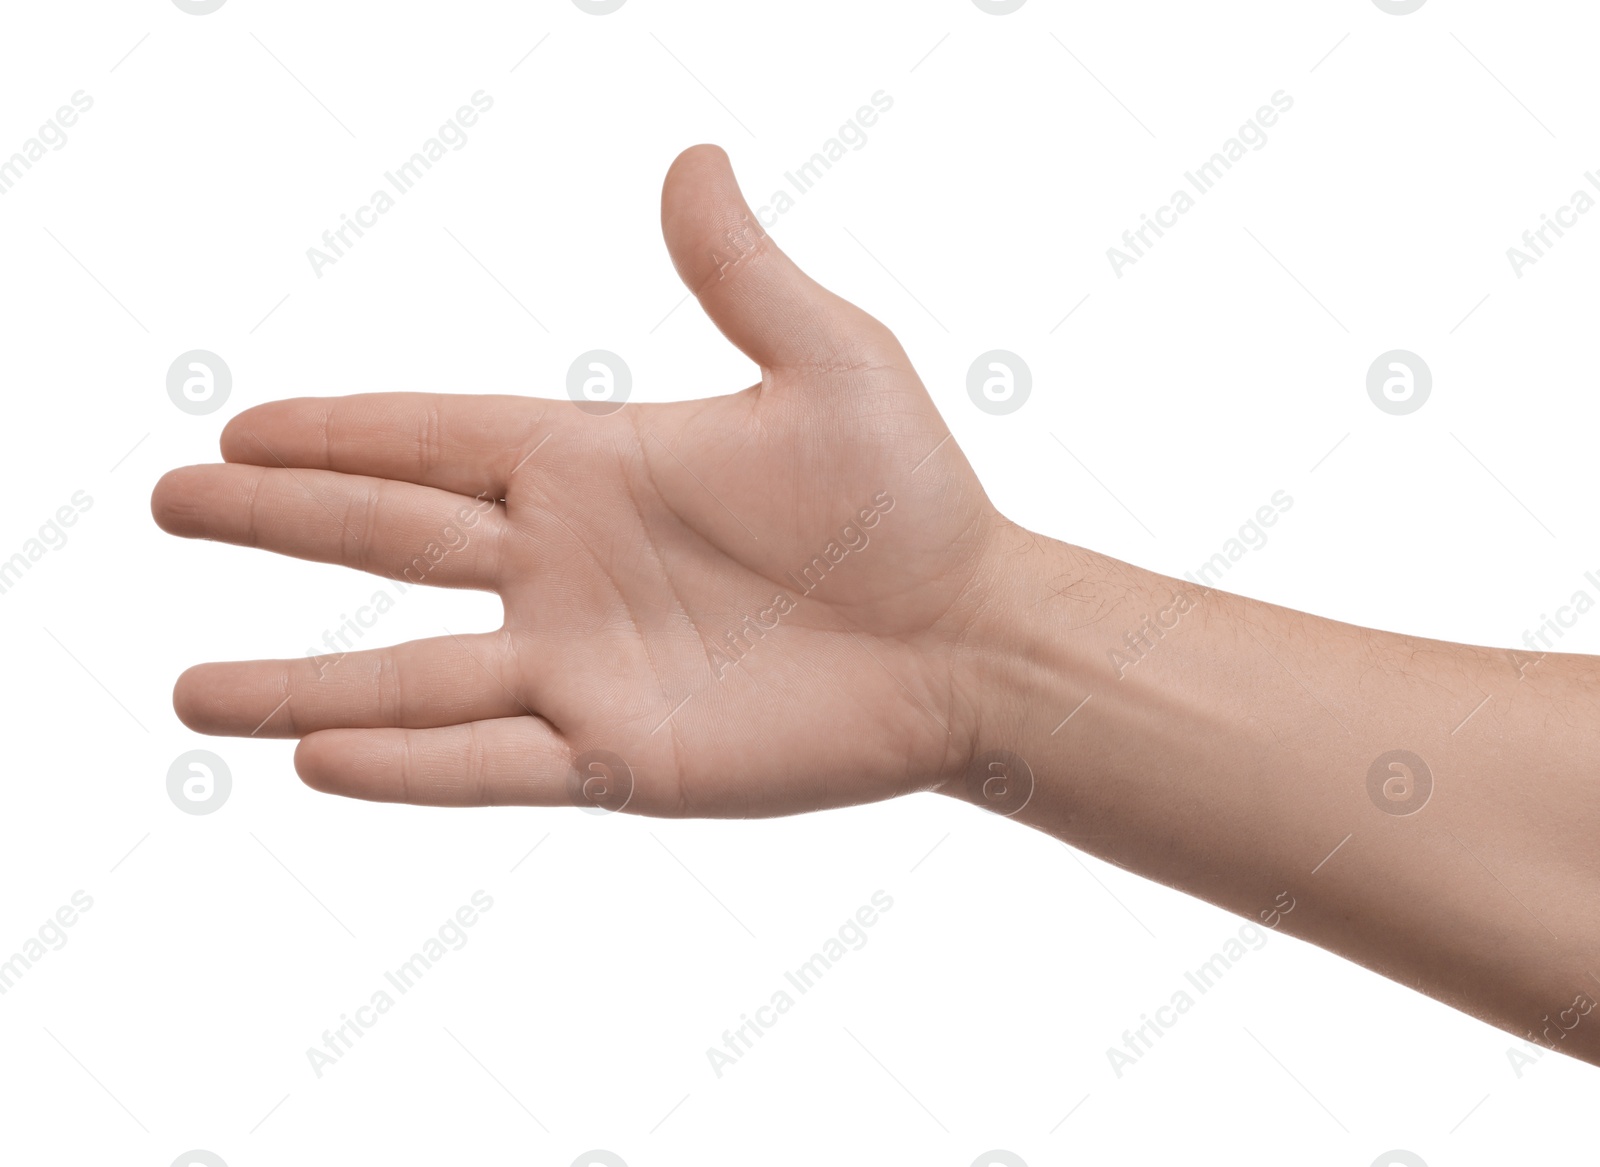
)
(759, 602)
(1229, 763)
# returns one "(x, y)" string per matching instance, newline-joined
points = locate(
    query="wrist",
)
(1030, 660)
(1083, 663)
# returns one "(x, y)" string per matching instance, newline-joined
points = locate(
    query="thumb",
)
(777, 315)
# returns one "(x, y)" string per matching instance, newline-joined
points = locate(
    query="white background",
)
(977, 216)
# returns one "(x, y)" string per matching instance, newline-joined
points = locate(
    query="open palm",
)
(746, 605)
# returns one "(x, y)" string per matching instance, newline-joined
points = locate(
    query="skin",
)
(1225, 751)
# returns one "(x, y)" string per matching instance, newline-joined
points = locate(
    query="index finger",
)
(466, 444)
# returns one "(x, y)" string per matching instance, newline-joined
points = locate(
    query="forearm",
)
(1226, 747)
